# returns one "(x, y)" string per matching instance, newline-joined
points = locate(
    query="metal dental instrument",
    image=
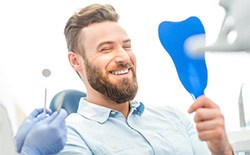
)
(46, 73)
(241, 109)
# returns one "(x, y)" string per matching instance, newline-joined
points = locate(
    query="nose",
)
(122, 56)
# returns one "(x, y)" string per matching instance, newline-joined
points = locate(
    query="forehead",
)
(96, 33)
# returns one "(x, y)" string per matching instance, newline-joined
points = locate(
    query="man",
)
(109, 120)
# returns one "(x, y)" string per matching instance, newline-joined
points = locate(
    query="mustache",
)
(122, 66)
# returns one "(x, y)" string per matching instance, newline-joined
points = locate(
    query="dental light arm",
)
(235, 33)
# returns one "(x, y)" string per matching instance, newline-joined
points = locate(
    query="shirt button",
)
(175, 129)
(113, 146)
(113, 112)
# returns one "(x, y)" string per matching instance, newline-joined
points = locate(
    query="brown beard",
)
(121, 92)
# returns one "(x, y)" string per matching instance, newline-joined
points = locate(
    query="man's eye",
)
(105, 49)
(127, 47)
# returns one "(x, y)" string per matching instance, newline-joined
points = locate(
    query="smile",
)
(120, 72)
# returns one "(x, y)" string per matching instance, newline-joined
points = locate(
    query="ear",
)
(75, 60)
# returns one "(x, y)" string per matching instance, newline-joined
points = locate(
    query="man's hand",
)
(211, 126)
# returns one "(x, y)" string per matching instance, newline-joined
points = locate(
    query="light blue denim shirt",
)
(96, 130)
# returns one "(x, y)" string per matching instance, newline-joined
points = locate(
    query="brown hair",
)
(95, 13)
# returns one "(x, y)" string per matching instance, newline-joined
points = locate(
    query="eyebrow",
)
(127, 40)
(111, 42)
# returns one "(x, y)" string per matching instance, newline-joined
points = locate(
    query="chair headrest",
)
(70, 100)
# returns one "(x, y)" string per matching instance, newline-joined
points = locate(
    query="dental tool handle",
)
(193, 97)
(196, 96)
(45, 100)
(241, 109)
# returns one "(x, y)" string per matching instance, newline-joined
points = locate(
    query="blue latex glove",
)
(48, 136)
(36, 116)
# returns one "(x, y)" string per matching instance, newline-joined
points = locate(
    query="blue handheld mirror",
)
(191, 69)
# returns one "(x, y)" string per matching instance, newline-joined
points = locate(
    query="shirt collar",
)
(100, 113)
(136, 107)
(93, 111)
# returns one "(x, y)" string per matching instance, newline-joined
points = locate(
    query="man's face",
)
(110, 62)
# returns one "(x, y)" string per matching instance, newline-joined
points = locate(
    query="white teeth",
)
(120, 72)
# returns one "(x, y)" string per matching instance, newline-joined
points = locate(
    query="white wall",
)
(32, 39)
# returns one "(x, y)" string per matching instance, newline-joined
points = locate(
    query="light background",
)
(32, 39)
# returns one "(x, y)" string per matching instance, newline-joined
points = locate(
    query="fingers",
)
(209, 125)
(50, 118)
(59, 120)
(216, 134)
(204, 114)
(39, 111)
(62, 114)
(207, 114)
(202, 102)
(56, 117)
(35, 113)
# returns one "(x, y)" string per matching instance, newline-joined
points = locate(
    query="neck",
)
(99, 99)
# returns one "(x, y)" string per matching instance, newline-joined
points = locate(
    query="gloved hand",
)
(36, 116)
(47, 136)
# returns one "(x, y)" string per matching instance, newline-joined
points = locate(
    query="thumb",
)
(49, 118)
(35, 113)
(62, 114)
(59, 120)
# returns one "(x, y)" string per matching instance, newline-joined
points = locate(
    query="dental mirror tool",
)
(46, 73)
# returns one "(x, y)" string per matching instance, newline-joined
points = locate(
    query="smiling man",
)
(109, 120)
(110, 63)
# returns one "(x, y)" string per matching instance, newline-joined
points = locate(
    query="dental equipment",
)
(46, 73)
(234, 36)
(235, 33)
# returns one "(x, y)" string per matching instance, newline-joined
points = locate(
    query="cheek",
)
(133, 58)
(102, 62)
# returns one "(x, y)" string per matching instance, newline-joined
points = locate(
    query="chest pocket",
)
(113, 149)
(177, 140)
(109, 149)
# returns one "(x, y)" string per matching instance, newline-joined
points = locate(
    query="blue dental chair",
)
(69, 98)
